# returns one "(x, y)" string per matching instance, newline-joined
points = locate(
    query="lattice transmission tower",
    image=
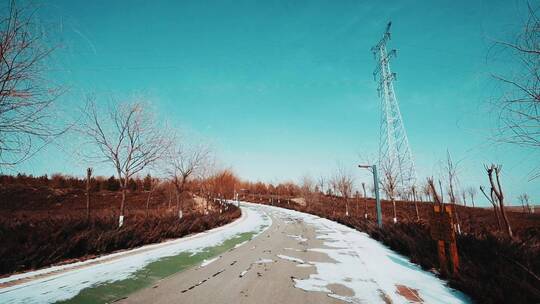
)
(395, 157)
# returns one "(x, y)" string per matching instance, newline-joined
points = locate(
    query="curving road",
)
(294, 258)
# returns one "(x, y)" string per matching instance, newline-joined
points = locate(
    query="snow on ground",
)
(371, 270)
(66, 281)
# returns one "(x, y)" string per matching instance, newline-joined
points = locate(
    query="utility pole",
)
(394, 152)
(373, 169)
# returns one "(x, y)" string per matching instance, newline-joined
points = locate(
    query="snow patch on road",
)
(293, 249)
(66, 281)
(289, 258)
(368, 268)
(264, 261)
(240, 244)
(210, 261)
(297, 237)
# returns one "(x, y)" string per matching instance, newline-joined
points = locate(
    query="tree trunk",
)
(395, 212)
(505, 219)
(170, 199)
(177, 200)
(123, 202)
(365, 208)
(88, 176)
(365, 201)
(497, 216)
(416, 205)
(122, 207)
(454, 206)
(148, 202)
(497, 190)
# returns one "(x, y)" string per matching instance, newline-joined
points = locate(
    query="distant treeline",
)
(61, 181)
(223, 183)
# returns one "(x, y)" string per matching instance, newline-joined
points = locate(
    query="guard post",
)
(442, 231)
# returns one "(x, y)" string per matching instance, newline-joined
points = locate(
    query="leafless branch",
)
(519, 106)
(26, 98)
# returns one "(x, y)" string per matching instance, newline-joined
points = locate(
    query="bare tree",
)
(390, 184)
(519, 106)
(154, 183)
(26, 118)
(365, 200)
(497, 190)
(343, 183)
(127, 137)
(451, 170)
(472, 193)
(307, 188)
(426, 190)
(492, 199)
(186, 161)
(356, 201)
(524, 200)
(464, 196)
(413, 192)
(169, 186)
(321, 183)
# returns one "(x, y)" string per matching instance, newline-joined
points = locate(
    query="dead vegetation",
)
(494, 268)
(41, 225)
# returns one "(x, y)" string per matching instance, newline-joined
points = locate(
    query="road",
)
(298, 258)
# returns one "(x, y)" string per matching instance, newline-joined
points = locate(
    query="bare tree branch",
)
(26, 98)
(519, 106)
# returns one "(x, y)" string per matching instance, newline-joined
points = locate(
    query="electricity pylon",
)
(395, 157)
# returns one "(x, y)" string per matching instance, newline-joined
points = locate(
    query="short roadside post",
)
(373, 169)
(442, 231)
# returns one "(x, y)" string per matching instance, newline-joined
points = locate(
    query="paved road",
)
(251, 273)
(302, 259)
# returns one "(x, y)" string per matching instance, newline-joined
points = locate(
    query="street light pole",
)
(377, 197)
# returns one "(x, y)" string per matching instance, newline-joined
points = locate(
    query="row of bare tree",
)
(342, 184)
(129, 138)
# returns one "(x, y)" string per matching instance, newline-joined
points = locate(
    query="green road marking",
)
(109, 291)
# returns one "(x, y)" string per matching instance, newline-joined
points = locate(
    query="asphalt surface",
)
(260, 271)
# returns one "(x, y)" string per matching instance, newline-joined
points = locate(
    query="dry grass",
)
(51, 228)
(494, 268)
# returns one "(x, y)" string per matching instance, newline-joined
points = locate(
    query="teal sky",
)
(285, 88)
